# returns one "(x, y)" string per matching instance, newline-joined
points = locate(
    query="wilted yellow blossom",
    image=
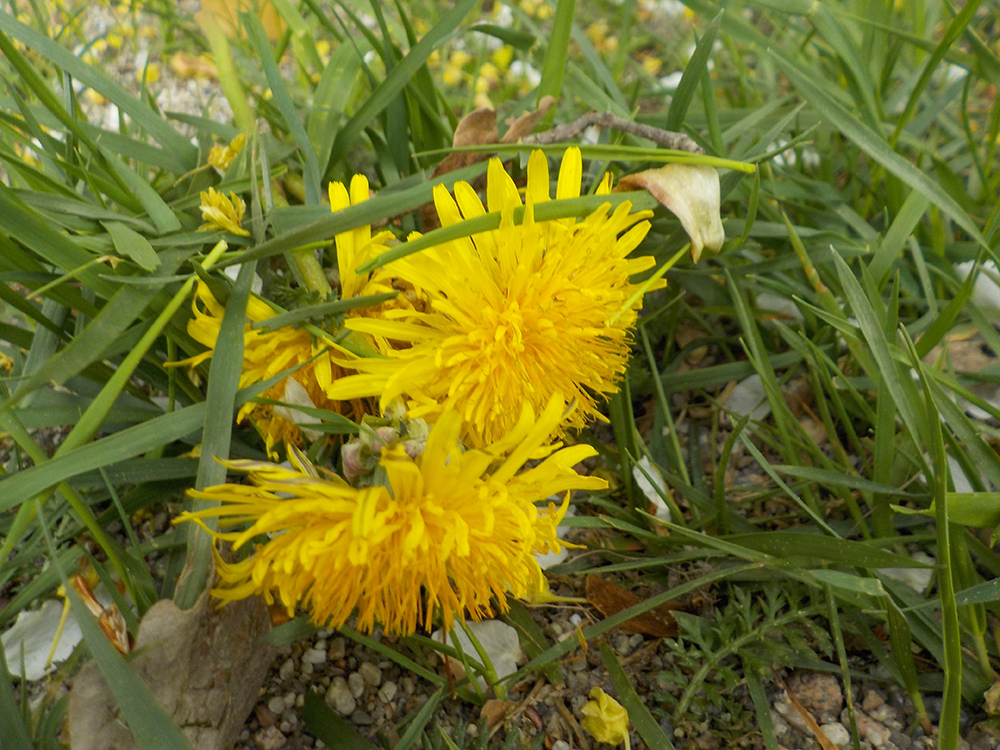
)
(220, 212)
(606, 719)
(221, 157)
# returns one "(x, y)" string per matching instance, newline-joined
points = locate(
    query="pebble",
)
(270, 738)
(356, 683)
(287, 669)
(314, 656)
(276, 705)
(307, 668)
(289, 700)
(560, 745)
(339, 696)
(371, 674)
(621, 645)
(837, 733)
(869, 729)
(387, 692)
(819, 693)
(362, 718)
(337, 649)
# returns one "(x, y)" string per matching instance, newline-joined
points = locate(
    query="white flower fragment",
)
(654, 490)
(693, 194)
(498, 639)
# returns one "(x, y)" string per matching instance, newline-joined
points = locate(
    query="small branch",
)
(666, 138)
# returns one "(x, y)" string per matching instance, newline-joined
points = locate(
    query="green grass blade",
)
(647, 727)
(875, 145)
(556, 54)
(325, 724)
(95, 78)
(693, 74)
(397, 80)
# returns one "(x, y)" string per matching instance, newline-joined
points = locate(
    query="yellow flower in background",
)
(606, 719)
(442, 538)
(516, 314)
(265, 354)
(221, 157)
(220, 212)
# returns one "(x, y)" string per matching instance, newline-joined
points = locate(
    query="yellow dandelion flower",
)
(221, 157)
(516, 314)
(265, 354)
(445, 535)
(220, 212)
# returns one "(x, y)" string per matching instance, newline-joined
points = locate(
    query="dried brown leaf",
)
(204, 665)
(521, 126)
(610, 599)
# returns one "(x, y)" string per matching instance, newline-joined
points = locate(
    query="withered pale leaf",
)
(610, 599)
(204, 665)
(692, 193)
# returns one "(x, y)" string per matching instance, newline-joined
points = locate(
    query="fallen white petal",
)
(653, 493)
(296, 395)
(692, 192)
(34, 631)
(497, 638)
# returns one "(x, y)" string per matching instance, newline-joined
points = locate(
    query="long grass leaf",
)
(397, 80)
(875, 145)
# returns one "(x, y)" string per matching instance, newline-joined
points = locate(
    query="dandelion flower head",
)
(515, 314)
(443, 536)
(265, 354)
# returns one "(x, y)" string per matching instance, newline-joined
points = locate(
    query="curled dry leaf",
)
(479, 128)
(204, 665)
(610, 599)
(692, 192)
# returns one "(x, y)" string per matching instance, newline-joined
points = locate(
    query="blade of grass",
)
(948, 727)
(875, 145)
(556, 54)
(149, 723)
(223, 383)
(693, 75)
(397, 80)
(647, 727)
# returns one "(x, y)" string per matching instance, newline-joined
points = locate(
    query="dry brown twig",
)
(666, 138)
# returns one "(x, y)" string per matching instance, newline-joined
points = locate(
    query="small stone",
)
(320, 645)
(409, 686)
(837, 733)
(868, 729)
(387, 692)
(270, 738)
(560, 745)
(872, 701)
(621, 645)
(362, 718)
(337, 649)
(818, 692)
(287, 669)
(276, 705)
(356, 683)
(887, 715)
(635, 641)
(288, 700)
(307, 668)
(314, 656)
(339, 696)
(471, 730)
(371, 674)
